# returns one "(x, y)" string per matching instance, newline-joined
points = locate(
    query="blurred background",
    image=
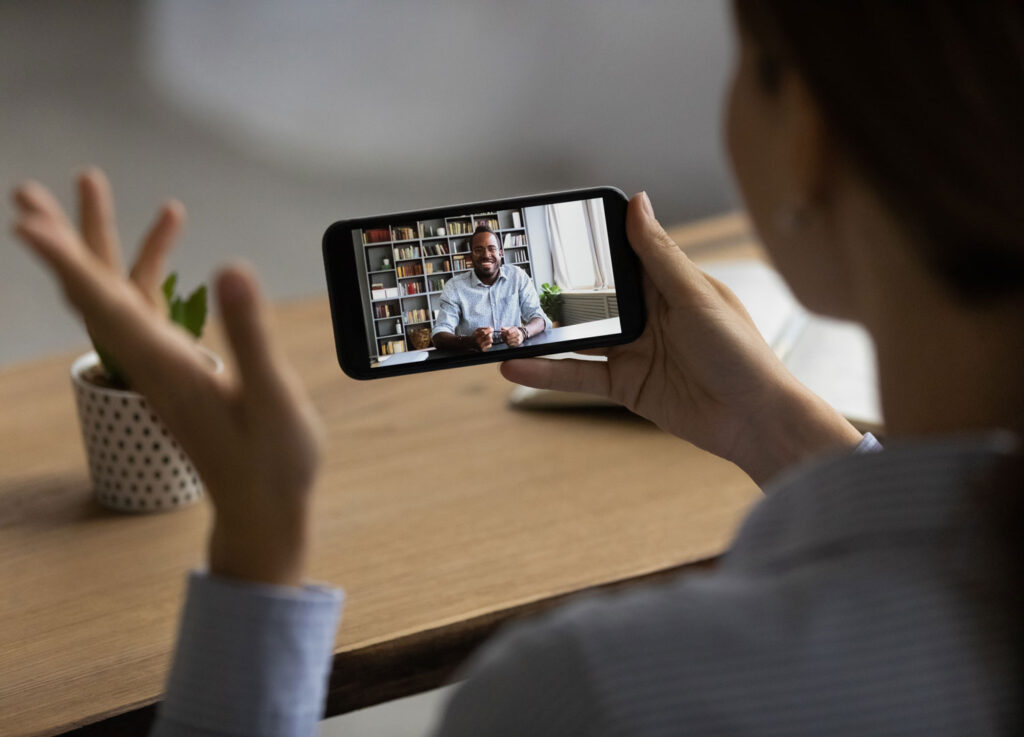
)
(272, 120)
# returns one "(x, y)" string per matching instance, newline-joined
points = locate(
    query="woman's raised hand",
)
(701, 369)
(252, 434)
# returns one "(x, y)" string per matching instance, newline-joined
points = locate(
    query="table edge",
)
(404, 666)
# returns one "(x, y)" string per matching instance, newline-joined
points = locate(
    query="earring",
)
(792, 217)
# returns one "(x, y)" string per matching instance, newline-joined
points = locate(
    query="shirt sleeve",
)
(251, 659)
(868, 444)
(531, 681)
(529, 301)
(447, 316)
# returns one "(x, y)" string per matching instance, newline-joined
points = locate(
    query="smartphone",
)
(411, 291)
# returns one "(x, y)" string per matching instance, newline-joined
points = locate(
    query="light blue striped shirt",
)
(467, 303)
(841, 609)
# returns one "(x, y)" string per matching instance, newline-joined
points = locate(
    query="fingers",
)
(96, 217)
(153, 354)
(36, 201)
(150, 265)
(262, 371)
(671, 271)
(51, 242)
(587, 377)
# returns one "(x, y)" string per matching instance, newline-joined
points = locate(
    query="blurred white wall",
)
(458, 96)
(272, 120)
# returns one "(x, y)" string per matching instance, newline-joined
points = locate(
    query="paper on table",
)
(834, 359)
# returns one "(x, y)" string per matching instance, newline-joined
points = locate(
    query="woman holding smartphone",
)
(878, 149)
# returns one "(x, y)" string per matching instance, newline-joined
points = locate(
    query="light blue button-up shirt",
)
(467, 303)
(841, 609)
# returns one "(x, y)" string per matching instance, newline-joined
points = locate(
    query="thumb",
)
(674, 275)
(245, 320)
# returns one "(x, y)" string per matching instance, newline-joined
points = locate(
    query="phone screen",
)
(482, 283)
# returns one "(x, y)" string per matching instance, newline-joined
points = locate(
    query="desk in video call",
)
(608, 326)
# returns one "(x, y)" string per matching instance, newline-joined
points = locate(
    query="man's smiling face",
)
(485, 251)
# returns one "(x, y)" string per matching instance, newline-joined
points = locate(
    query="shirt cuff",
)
(868, 444)
(251, 658)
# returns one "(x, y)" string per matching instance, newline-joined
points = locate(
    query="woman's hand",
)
(701, 369)
(253, 437)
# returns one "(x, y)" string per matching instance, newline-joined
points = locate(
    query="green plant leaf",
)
(168, 287)
(114, 372)
(194, 311)
(177, 309)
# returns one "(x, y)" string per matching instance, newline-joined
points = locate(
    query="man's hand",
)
(513, 336)
(701, 369)
(482, 338)
(253, 436)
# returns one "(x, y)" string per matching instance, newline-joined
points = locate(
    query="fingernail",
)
(646, 202)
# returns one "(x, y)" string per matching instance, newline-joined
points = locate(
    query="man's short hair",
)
(484, 228)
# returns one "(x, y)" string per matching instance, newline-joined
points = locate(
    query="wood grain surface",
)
(427, 516)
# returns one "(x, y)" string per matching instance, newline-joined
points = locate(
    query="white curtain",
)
(604, 278)
(578, 237)
(559, 263)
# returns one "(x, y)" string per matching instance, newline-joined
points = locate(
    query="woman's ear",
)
(808, 149)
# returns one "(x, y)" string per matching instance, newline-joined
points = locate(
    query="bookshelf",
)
(408, 263)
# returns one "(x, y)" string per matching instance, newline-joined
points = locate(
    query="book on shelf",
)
(460, 262)
(432, 268)
(458, 227)
(405, 270)
(376, 235)
(517, 220)
(407, 252)
(404, 234)
(390, 347)
(419, 315)
(491, 223)
(383, 310)
(377, 291)
(516, 257)
(437, 283)
(513, 240)
(436, 249)
(412, 288)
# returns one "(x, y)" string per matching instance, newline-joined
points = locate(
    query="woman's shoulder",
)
(799, 624)
(891, 497)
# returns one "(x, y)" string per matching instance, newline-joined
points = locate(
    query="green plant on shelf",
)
(550, 300)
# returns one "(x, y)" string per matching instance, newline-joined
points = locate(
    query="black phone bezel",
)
(344, 292)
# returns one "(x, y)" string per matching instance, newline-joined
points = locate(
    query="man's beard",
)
(496, 266)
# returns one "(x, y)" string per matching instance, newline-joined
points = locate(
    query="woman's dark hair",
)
(926, 99)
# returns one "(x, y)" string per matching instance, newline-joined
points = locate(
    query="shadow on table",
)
(48, 501)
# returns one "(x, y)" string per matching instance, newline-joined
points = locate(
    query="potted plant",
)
(551, 302)
(134, 462)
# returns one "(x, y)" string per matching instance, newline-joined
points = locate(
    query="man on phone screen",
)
(492, 302)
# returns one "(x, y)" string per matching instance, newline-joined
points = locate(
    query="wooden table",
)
(433, 542)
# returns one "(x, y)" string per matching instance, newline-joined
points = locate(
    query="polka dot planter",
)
(134, 462)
